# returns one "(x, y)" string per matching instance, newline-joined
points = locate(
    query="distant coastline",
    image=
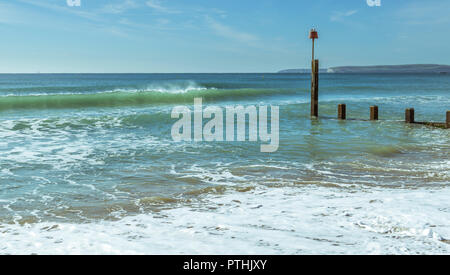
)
(414, 68)
(301, 71)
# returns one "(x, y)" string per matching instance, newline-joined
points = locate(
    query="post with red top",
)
(314, 78)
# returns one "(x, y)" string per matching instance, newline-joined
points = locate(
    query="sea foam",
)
(263, 221)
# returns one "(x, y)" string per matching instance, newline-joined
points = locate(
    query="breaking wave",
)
(130, 97)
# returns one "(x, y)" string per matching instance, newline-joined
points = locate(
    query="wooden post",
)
(342, 109)
(373, 112)
(315, 88)
(409, 115)
(448, 120)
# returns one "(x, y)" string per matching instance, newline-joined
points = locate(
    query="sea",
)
(88, 165)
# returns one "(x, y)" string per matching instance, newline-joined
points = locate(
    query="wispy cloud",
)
(211, 12)
(120, 7)
(161, 24)
(9, 14)
(96, 22)
(62, 8)
(339, 15)
(230, 33)
(159, 7)
(100, 19)
(426, 13)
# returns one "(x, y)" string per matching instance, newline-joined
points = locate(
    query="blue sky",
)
(218, 35)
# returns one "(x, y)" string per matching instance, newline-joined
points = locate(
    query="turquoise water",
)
(82, 154)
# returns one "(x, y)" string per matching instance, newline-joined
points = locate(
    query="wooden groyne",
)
(342, 111)
(373, 112)
(409, 117)
(342, 108)
(315, 89)
(314, 78)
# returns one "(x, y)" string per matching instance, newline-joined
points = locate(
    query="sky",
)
(214, 36)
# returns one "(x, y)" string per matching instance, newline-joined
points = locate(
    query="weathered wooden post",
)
(373, 112)
(447, 124)
(314, 78)
(315, 89)
(342, 111)
(409, 115)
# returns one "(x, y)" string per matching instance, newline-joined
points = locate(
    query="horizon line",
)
(273, 72)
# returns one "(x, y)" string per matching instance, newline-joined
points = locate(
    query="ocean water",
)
(88, 165)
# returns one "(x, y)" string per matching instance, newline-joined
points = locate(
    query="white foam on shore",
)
(288, 220)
